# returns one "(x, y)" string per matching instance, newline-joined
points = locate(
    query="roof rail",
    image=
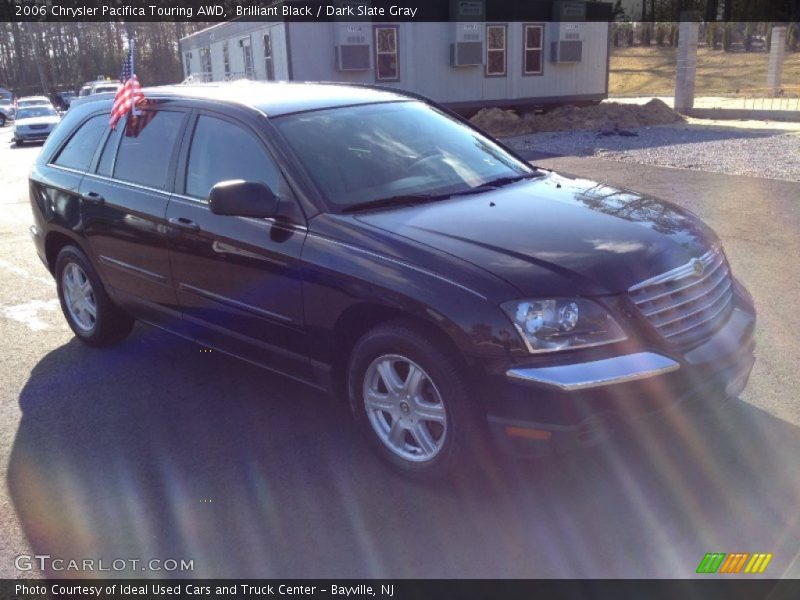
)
(78, 100)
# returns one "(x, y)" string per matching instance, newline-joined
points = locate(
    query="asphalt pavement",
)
(154, 449)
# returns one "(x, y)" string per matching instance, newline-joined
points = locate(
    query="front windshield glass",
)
(35, 111)
(367, 153)
(23, 103)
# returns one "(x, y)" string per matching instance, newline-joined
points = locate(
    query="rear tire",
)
(422, 420)
(90, 313)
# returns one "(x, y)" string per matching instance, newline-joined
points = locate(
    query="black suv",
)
(374, 244)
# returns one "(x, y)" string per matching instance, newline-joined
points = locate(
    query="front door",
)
(238, 279)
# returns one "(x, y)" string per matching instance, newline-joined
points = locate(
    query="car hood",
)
(556, 235)
(38, 121)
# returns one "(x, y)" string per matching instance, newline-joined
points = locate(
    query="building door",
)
(268, 62)
(205, 64)
(247, 56)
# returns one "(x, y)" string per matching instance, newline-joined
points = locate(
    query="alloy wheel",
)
(79, 297)
(404, 408)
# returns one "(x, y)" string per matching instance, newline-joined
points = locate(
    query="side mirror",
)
(240, 198)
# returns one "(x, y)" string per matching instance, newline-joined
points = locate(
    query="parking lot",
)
(155, 449)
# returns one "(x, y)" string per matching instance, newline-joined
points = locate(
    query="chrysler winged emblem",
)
(698, 267)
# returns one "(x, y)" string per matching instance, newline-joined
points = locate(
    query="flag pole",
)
(132, 48)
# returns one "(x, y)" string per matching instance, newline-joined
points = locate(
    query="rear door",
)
(238, 279)
(123, 207)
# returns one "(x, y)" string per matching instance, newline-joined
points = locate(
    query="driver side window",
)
(221, 151)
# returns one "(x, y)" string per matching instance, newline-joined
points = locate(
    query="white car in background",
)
(34, 123)
(103, 87)
(28, 101)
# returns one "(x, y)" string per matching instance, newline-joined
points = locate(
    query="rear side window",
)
(106, 163)
(221, 151)
(146, 148)
(79, 150)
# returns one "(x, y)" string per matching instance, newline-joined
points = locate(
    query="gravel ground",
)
(770, 153)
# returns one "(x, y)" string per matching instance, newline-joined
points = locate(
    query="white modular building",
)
(558, 54)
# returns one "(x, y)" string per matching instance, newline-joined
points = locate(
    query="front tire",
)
(89, 311)
(410, 398)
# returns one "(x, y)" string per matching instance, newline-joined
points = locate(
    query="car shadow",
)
(157, 449)
(15, 146)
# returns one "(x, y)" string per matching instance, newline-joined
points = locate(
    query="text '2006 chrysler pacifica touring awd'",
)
(376, 245)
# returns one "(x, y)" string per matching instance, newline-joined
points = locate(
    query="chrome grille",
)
(686, 307)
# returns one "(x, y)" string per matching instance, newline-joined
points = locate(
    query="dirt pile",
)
(604, 116)
(500, 122)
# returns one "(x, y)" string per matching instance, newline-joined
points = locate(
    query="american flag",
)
(130, 94)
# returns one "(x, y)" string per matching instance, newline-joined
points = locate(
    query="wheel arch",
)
(363, 317)
(54, 241)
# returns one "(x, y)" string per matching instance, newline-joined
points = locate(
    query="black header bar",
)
(372, 10)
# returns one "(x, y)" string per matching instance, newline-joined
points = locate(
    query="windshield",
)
(363, 154)
(106, 88)
(35, 111)
(22, 103)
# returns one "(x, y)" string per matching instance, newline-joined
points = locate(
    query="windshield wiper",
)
(500, 182)
(412, 199)
(401, 200)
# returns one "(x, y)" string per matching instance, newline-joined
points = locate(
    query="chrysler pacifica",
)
(374, 244)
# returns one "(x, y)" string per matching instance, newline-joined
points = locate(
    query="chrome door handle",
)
(183, 223)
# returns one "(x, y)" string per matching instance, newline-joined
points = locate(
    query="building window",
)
(188, 60)
(495, 50)
(532, 60)
(226, 59)
(387, 67)
(270, 67)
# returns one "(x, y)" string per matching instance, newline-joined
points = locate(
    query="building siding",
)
(424, 60)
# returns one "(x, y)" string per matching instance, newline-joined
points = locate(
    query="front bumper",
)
(552, 407)
(596, 373)
(33, 135)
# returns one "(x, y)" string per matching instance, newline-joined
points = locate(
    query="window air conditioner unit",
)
(352, 57)
(566, 51)
(466, 54)
(467, 47)
(568, 45)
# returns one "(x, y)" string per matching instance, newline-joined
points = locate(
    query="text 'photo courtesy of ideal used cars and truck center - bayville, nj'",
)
(454, 299)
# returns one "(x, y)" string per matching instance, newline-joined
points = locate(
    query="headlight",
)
(562, 323)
